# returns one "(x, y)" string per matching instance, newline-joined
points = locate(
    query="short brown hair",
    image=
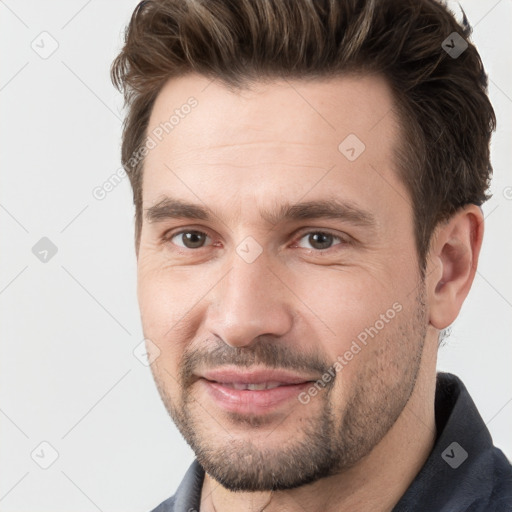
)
(446, 116)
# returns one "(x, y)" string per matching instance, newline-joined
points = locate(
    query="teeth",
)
(252, 387)
(257, 387)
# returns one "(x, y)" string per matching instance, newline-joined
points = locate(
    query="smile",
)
(253, 391)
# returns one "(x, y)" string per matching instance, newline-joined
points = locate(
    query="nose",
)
(250, 302)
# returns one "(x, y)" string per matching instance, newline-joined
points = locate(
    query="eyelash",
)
(167, 237)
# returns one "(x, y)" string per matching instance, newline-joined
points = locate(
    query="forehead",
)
(316, 110)
(291, 137)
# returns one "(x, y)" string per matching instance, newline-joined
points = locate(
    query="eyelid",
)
(343, 237)
(171, 233)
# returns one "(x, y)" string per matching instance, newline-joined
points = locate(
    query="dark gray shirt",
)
(464, 472)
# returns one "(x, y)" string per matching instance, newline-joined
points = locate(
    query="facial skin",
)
(252, 292)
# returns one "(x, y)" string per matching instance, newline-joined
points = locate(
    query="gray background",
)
(70, 325)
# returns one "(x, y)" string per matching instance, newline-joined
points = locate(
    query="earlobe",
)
(453, 261)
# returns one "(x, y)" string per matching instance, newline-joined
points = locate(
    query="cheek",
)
(367, 325)
(345, 303)
(164, 292)
(172, 302)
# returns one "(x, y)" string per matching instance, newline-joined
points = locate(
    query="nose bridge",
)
(248, 303)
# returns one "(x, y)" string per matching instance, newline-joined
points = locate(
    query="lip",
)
(220, 383)
(255, 376)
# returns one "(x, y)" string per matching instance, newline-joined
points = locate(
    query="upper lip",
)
(254, 376)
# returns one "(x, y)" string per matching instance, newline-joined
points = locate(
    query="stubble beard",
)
(327, 442)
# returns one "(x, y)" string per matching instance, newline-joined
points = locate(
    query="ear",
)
(452, 263)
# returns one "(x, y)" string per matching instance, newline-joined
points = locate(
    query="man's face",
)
(302, 268)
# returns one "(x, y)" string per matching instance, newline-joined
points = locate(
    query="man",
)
(307, 178)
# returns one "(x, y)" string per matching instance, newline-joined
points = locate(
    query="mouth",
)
(252, 386)
(258, 391)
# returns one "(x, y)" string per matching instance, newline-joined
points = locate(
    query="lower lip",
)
(244, 401)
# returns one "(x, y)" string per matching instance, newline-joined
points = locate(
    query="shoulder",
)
(166, 506)
(492, 490)
(500, 499)
(188, 495)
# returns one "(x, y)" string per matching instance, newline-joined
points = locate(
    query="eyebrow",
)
(332, 208)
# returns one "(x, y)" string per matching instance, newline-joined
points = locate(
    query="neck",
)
(375, 484)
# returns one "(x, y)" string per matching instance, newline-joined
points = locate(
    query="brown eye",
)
(319, 240)
(189, 239)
